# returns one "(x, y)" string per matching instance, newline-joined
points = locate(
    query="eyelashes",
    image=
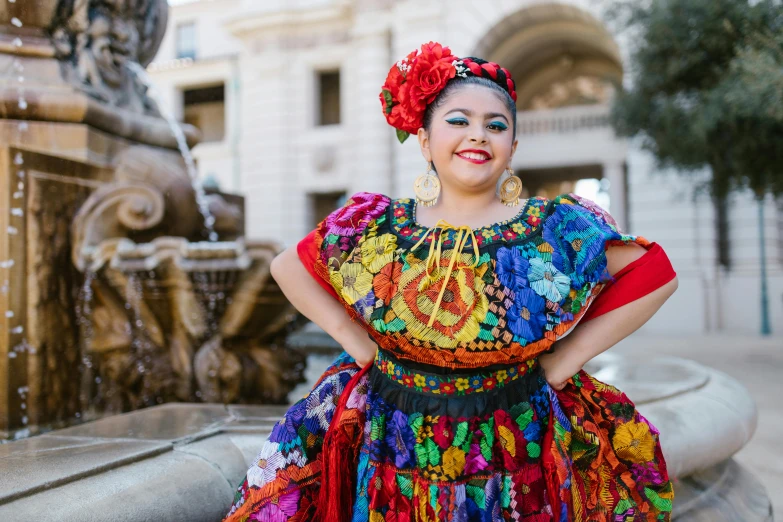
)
(495, 125)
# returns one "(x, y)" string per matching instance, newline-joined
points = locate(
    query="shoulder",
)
(570, 206)
(586, 238)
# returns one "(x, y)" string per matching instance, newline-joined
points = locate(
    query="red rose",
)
(413, 83)
(401, 116)
(430, 72)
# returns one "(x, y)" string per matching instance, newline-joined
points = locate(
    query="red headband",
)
(415, 81)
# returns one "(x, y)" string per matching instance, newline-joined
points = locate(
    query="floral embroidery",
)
(548, 281)
(352, 281)
(527, 316)
(523, 225)
(462, 308)
(378, 252)
(450, 384)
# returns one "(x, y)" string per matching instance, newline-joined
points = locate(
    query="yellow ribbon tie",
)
(433, 258)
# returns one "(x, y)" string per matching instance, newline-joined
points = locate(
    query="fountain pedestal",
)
(110, 299)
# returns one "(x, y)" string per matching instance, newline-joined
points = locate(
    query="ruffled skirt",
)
(486, 446)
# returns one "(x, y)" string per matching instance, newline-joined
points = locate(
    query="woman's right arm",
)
(315, 303)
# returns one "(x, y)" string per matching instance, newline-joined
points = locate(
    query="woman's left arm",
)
(596, 336)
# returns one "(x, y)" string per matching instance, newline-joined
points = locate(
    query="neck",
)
(473, 210)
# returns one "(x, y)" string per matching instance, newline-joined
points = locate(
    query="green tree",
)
(707, 91)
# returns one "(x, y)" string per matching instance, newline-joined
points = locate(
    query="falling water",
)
(84, 320)
(182, 144)
(15, 221)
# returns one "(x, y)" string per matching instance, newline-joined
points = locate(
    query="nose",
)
(478, 136)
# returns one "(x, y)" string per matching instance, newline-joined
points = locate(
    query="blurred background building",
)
(286, 96)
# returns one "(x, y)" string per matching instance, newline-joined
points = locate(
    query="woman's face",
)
(470, 140)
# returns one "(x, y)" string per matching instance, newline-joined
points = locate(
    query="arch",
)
(548, 43)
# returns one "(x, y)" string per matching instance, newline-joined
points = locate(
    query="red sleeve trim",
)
(637, 279)
(308, 255)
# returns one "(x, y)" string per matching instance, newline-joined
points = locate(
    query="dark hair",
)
(457, 83)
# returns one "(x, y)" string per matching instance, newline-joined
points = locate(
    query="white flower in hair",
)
(461, 68)
(404, 65)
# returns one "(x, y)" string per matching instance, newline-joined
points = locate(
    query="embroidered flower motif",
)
(321, 404)
(548, 281)
(283, 509)
(385, 282)
(358, 397)
(365, 306)
(268, 462)
(442, 432)
(400, 440)
(519, 228)
(352, 281)
(475, 461)
(378, 252)
(461, 384)
(527, 316)
(512, 268)
(633, 441)
(352, 218)
(453, 462)
(419, 380)
(447, 388)
(461, 310)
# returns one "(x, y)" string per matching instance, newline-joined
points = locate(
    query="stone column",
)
(372, 163)
(614, 171)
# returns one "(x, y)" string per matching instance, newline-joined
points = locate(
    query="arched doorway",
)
(566, 66)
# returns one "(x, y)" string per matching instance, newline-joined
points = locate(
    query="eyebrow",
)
(486, 116)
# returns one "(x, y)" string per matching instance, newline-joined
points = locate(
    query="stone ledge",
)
(169, 462)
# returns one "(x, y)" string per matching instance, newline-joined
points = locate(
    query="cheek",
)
(501, 147)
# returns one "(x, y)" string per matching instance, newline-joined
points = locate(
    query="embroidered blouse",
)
(446, 298)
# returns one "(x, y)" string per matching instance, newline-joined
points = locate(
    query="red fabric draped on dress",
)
(637, 279)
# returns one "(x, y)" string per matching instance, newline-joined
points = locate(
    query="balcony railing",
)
(563, 120)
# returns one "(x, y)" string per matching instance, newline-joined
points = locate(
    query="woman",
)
(461, 395)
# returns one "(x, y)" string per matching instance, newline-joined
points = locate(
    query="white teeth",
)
(473, 155)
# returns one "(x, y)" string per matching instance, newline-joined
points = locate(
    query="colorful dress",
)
(457, 422)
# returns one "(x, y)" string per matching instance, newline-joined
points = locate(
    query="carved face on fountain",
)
(115, 40)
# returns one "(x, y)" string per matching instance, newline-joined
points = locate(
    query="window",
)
(323, 204)
(328, 92)
(205, 109)
(186, 40)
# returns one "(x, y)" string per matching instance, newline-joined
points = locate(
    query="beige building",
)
(286, 94)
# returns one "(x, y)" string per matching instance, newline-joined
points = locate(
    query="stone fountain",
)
(123, 284)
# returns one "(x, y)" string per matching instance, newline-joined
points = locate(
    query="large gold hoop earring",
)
(427, 187)
(510, 189)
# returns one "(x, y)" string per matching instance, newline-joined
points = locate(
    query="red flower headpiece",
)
(415, 81)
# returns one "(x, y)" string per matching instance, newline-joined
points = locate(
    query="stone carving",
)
(172, 319)
(96, 38)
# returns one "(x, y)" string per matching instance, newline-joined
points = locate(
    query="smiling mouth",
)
(474, 157)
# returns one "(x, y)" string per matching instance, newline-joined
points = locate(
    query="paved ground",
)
(757, 363)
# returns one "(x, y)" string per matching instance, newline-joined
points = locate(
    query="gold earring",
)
(510, 189)
(427, 188)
